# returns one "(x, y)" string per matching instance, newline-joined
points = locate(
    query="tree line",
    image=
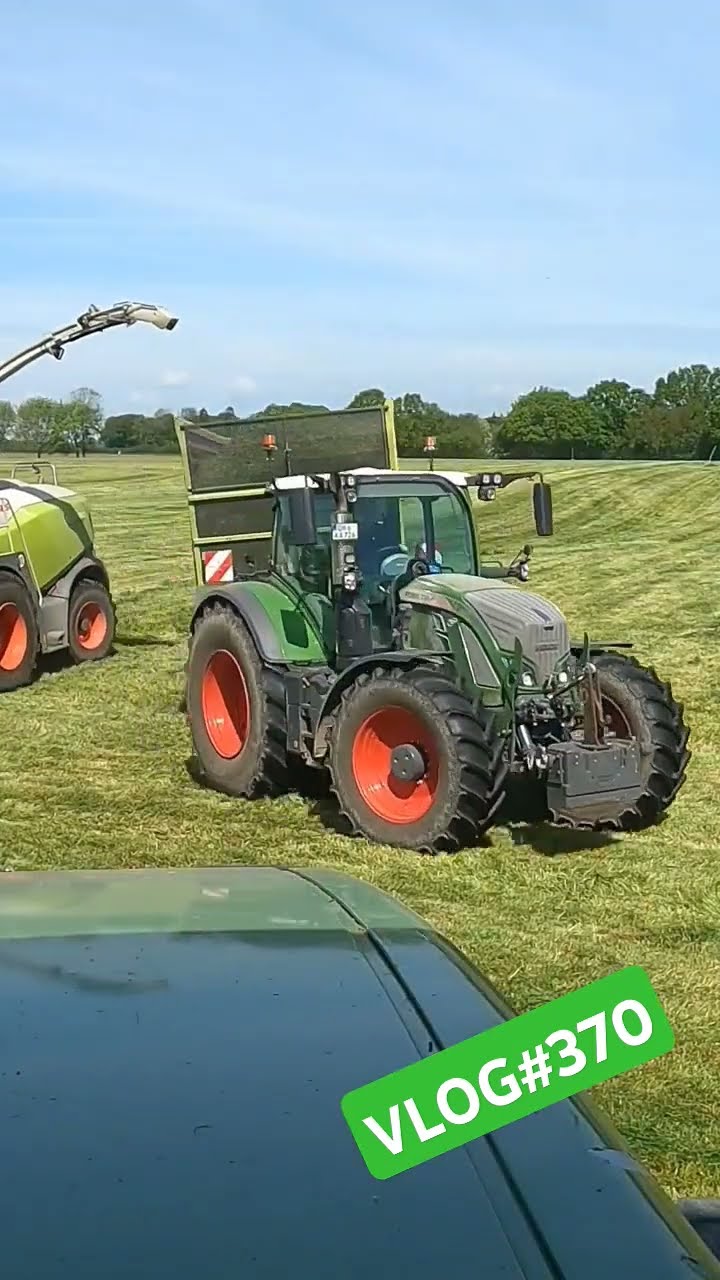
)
(679, 418)
(40, 425)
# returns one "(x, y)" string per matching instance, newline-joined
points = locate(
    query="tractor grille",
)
(512, 614)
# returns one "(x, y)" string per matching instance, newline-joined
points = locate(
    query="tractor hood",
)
(509, 612)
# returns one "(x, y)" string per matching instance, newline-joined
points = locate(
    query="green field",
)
(93, 772)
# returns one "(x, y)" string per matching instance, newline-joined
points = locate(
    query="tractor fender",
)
(281, 630)
(347, 677)
(247, 607)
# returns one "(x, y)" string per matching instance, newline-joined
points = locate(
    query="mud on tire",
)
(655, 719)
(464, 783)
(235, 709)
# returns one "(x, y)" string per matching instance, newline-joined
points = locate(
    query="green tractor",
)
(54, 591)
(369, 643)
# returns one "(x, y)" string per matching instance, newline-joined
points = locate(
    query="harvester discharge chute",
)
(54, 589)
(363, 638)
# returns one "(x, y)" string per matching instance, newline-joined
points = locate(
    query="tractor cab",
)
(355, 540)
(396, 520)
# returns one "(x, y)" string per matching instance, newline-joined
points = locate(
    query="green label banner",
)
(508, 1072)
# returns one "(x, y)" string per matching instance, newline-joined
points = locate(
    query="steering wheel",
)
(393, 561)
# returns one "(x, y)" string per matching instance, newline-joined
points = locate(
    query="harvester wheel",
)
(19, 634)
(636, 703)
(235, 708)
(91, 622)
(412, 765)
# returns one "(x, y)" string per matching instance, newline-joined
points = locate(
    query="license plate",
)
(345, 533)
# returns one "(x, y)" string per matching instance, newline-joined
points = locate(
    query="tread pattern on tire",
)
(271, 776)
(479, 752)
(669, 736)
(19, 595)
(97, 582)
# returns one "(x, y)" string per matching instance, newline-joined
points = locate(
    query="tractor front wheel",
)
(91, 622)
(637, 704)
(412, 765)
(235, 708)
(19, 634)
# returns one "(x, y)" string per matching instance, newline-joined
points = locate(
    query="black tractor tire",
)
(235, 709)
(19, 634)
(463, 788)
(635, 699)
(91, 622)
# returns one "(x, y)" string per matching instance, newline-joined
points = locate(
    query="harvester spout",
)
(94, 320)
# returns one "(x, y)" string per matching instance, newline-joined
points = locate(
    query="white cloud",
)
(175, 378)
(244, 383)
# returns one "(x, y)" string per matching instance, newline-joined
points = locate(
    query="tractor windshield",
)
(397, 522)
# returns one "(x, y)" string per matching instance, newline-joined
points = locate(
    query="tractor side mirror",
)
(542, 506)
(303, 530)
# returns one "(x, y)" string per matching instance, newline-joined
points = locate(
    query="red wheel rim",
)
(389, 798)
(13, 637)
(225, 705)
(91, 626)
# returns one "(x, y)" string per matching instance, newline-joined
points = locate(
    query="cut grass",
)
(93, 772)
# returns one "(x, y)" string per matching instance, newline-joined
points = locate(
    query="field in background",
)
(93, 770)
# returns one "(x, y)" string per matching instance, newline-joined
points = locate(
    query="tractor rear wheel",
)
(91, 622)
(235, 708)
(412, 765)
(637, 704)
(19, 634)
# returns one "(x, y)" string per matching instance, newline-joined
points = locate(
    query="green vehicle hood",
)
(175, 1047)
(502, 613)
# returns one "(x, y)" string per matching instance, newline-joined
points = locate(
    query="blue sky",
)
(464, 198)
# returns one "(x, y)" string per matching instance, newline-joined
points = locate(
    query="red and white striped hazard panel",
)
(218, 566)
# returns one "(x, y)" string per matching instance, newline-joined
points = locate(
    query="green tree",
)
(288, 410)
(464, 435)
(367, 399)
(122, 431)
(548, 424)
(157, 434)
(614, 404)
(666, 431)
(7, 422)
(38, 421)
(694, 387)
(415, 420)
(79, 421)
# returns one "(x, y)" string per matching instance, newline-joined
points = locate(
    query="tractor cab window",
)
(420, 521)
(396, 523)
(310, 566)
